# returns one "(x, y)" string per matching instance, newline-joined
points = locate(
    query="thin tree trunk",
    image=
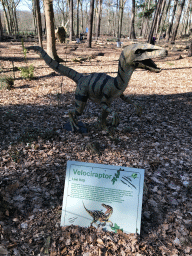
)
(154, 22)
(77, 34)
(164, 19)
(1, 29)
(190, 50)
(16, 29)
(34, 12)
(39, 24)
(10, 17)
(95, 11)
(132, 33)
(82, 16)
(99, 19)
(121, 10)
(49, 15)
(142, 22)
(6, 17)
(114, 24)
(146, 22)
(117, 14)
(171, 23)
(177, 22)
(90, 23)
(186, 20)
(160, 16)
(71, 20)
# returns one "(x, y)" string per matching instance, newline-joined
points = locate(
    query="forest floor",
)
(35, 149)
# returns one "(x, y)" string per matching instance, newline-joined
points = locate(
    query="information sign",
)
(103, 196)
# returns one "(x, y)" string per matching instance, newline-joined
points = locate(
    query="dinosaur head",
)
(141, 55)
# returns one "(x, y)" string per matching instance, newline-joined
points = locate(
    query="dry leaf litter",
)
(35, 149)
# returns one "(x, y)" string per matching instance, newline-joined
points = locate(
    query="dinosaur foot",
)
(81, 127)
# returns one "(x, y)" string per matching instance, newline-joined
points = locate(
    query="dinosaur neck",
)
(124, 75)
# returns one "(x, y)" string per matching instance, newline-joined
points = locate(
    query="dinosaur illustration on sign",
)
(100, 216)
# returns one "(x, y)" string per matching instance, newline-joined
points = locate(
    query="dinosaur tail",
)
(63, 70)
(86, 208)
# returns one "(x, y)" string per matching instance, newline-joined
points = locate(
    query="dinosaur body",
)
(101, 87)
(101, 216)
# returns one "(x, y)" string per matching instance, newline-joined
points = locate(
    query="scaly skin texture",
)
(100, 216)
(102, 88)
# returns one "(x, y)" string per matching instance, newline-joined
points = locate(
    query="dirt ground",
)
(35, 148)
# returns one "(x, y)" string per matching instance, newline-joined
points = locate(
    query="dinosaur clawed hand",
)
(73, 122)
(102, 122)
(115, 121)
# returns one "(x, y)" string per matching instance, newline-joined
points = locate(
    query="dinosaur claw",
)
(115, 121)
(73, 123)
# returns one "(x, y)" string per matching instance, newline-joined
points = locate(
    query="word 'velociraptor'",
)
(101, 87)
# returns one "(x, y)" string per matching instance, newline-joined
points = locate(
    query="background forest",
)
(120, 18)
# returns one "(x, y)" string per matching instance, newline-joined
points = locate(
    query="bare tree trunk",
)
(171, 23)
(164, 19)
(121, 10)
(77, 33)
(71, 20)
(142, 22)
(117, 14)
(99, 19)
(177, 21)
(114, 24)
(132, 33)
(160, 16)
(146, 22)
(1, 29)
(190, 50)
(39, 24)
(49, 15)
(186, 20)
(90, 23)
(16, 28)
(6, 17)
(157, 12)
(82, 16)
(9, 9)
(34, 12)
(10, 17)
(189, 27)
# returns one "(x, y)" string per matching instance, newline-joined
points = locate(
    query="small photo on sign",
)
(103, 196)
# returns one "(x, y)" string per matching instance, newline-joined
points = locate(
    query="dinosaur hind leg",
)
(80, 103)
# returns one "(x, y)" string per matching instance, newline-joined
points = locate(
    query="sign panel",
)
(103, 196)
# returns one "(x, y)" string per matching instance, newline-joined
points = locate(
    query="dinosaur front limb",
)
(105, 104)
(129, 101)
(104, 118)
(80, 102)
(73, 120)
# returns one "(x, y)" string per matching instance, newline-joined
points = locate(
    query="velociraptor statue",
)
(101, 87)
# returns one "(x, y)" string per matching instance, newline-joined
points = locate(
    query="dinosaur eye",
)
(139, 52)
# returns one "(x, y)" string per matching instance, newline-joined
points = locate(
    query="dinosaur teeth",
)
(148, 64)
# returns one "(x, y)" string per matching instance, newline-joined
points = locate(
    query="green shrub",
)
(6, 82)
(27, 72)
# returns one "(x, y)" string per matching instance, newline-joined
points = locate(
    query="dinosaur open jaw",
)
(148, 64)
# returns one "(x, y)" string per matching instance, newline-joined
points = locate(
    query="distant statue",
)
(60, 34)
